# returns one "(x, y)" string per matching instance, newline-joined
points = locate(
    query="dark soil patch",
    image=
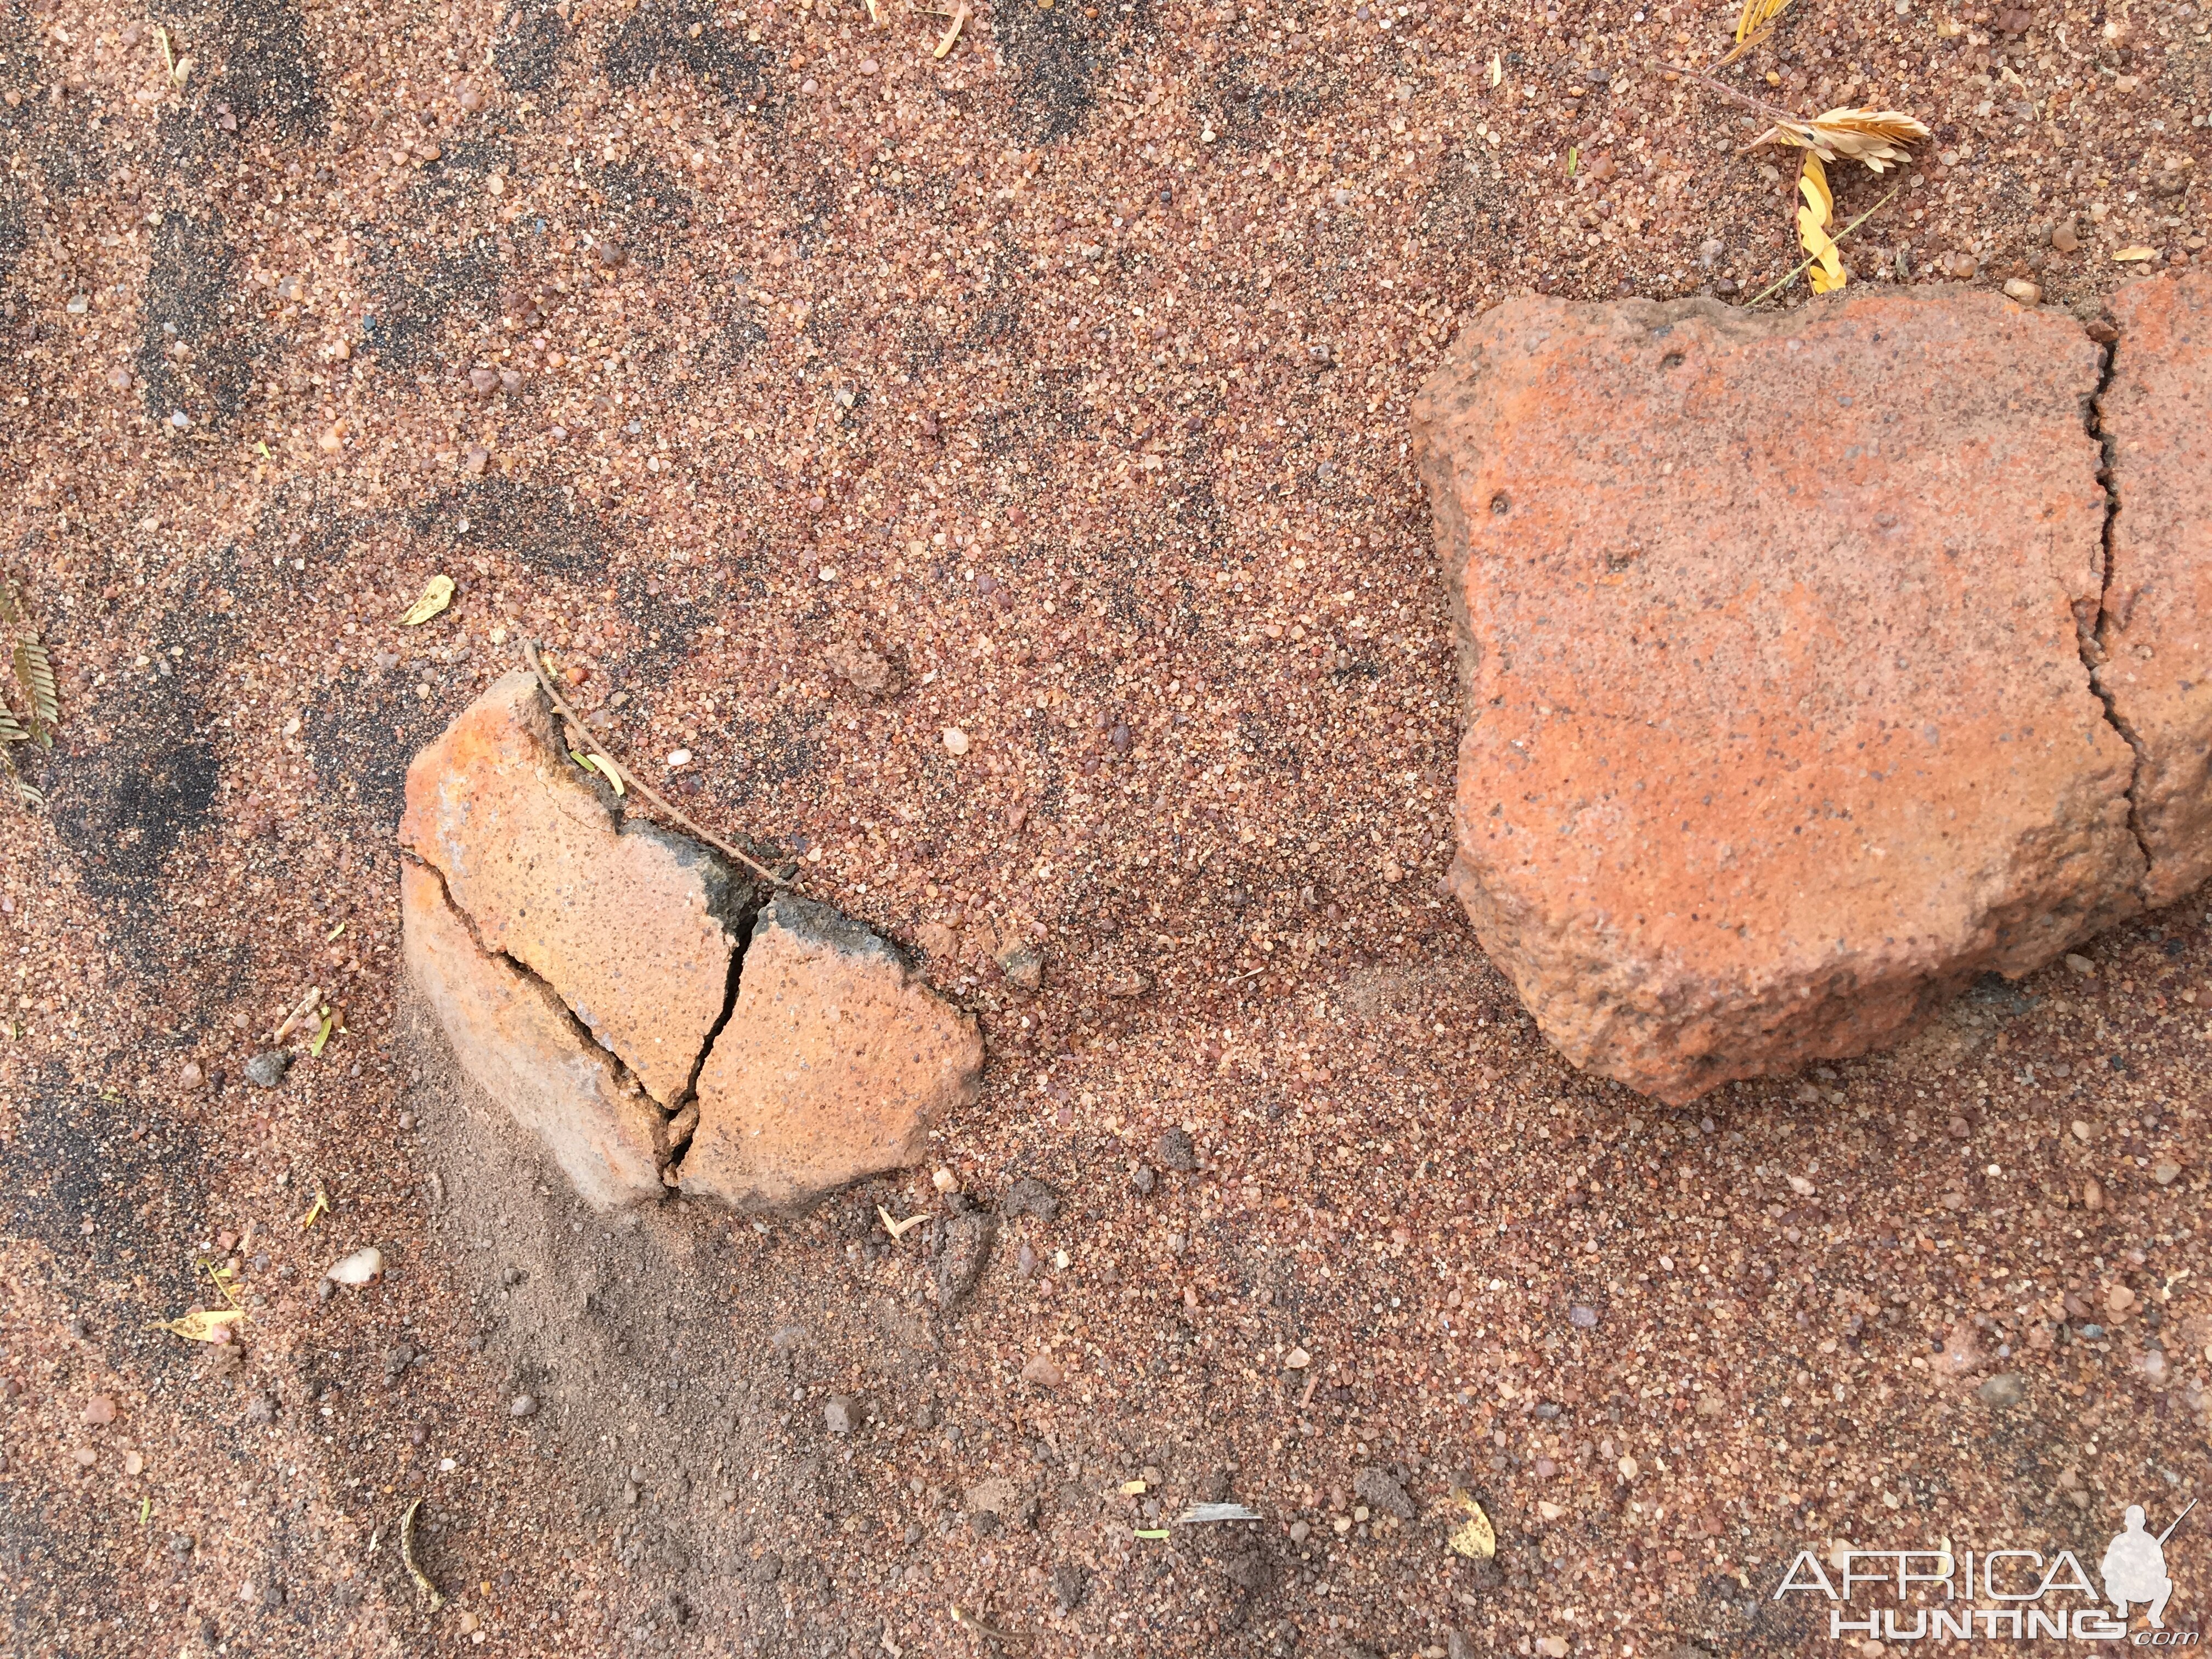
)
(193, 300)
(271, 71)
(417, 291)
(691, 40)
(531, 47)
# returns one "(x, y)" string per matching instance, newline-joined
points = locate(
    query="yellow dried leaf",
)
(1131, 1488)
(1876, 137)
(1813, 185)
(435, 597)
(1474, 1538)
(203, 1325)
(1825, 273)
(1756, 17)
(2129, 255)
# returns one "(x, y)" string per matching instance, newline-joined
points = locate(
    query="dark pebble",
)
(1142, 1178)
(266, 1069)
(1175, 1150)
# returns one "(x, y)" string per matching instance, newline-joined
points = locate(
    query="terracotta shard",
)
(1778, 728)
(635, 928)
(836, 1062)
(521, 1046)
(2155, 634)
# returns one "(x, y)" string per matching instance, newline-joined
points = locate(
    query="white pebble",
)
(956, 740)
(679, 757)
(363, 1267)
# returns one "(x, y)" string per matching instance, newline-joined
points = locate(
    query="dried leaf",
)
(34, 671)
(611, 773)
(1757, 17)
(1474, 1538)
(203, 1325)
(1826, 272)
(316, 1211)
(1496, 70)
(322, 1037)
(897, 1229)
(2130, 255)
(436, 596)
(1877, 137)
(9, 731)
(407, 1554)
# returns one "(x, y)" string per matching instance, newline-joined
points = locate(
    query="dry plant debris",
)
(1876, 137)
(1753, 24)
(33, 672)
(1825, 270)
(437, 594)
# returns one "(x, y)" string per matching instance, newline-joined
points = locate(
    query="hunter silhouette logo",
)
(2134, 1567)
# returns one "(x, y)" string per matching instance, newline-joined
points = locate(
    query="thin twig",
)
(1772, 111)
(1784, 282)
(535, 658)
(1014, 1639)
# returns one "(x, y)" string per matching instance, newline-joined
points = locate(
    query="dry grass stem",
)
(535, 658)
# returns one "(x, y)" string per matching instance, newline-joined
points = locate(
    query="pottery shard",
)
(634, 927)
(1778, 728)
(524, 1049)
(2155, 634)
(836, 1062)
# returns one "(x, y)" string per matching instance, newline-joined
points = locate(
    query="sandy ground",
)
(1065, 373)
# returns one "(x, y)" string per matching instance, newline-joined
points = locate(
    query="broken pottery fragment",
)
(1778, 729)
(834, 1064)
(2154, 635)
(523, 1048)
(635, 928)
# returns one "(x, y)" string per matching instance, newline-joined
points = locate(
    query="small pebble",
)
(190, 1077)
(956, 740)
(1142, 1178)
(1586, 1318)
(946, 1181)
(100, 1409)
(523, 1405)
(840, 1414)
(266, 1069)
(1175, 1152)
(361, 1267)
